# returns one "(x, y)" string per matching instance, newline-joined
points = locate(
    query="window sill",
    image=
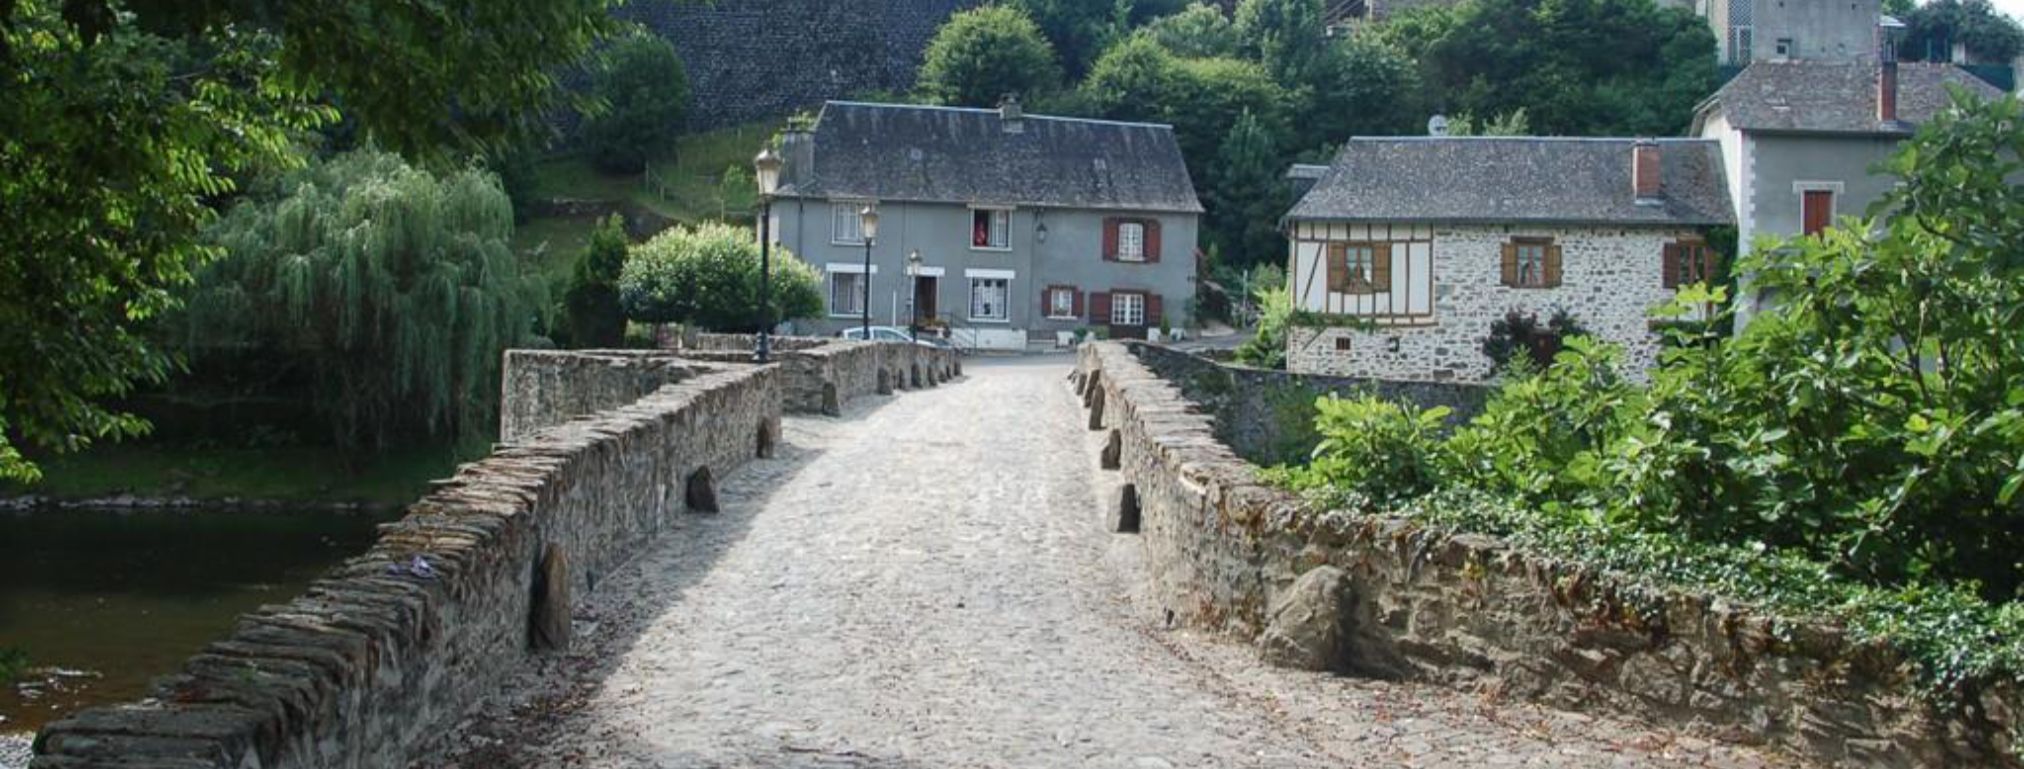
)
(990, 320)
(847, 315)
(998, 249)
(858, 243)
(1062, 317)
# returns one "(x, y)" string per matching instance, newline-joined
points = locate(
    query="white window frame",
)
(1120, 316)
(1064, 314)
(842, 211)
(976, 277)
(999, 224)
(1131, 241)
(856, 296)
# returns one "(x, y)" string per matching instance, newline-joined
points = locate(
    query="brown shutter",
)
(1077, 306)
(1099, 306)
(1380, 267)
(1152, 243)
(1338, 267)
(1153, 314)
(1511, 264)
(1553, 265)
(1109, 239)
(1046, 302)
(1816, 211)
(1669, 266)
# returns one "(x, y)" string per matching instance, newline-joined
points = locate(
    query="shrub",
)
(592, 316)
(1267, 346)
(709, 276)
(1388, 452)
(1520, 332)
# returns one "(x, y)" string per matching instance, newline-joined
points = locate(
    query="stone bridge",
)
(695, 562)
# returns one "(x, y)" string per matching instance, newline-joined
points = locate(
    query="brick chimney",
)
(1011, 116)
(1886, 91)
(1644, 171)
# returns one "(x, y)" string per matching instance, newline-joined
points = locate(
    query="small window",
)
(844, 225)
(1131, 242)
(1061, 303)
(990, 228)
(1816, 211)
(846, 293)
(988, 299)
(1786, 48)
(1688, 262)
(1531, 263)
(1128, 309)
(1358, 268)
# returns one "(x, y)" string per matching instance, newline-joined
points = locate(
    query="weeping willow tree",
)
(392, 290)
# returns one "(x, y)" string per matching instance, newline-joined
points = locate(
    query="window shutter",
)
(1510, 264)
(1380, 268)
(1669, 266)
(1078, 304)
(1553, 266)
(1338, 267)
(1099, 306)
(1153, 310)
(1110, 240)
(1152, 240)
(1046, 303)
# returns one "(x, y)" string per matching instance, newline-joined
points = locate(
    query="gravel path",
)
(924, 583)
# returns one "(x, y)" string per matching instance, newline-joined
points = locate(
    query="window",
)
(1061, 302)
(1816, 210)
(1127, 309)
(1131, 242)
(1741, 49)
(1688, 262)
(846, 293)
(1786, 48)
(988, 299)
(990, 228)
(844, 225)
(1531, 263)
(1359, 268)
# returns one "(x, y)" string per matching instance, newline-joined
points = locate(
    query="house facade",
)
(1025, 226)
(1801, 140)
(1409, 249)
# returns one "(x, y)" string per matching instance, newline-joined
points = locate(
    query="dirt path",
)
(924, 583)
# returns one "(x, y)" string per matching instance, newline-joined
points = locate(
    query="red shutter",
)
(1109, 240)
(1669, 266)
(1816, 211)
(1099, 306)
(1078, 304)
(1152, 240)
(1153, 311)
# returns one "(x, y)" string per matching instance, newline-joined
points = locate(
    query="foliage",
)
(1287, 36)
(709, 276)
(391, 286)
(982, 55)
(1247, 194)
(645, 93)
(1080, 29)
(737, 192)
(13, 664)
(1362, 86)
(1932, 29)
(590, 307)
(1521, 332)
(1513, 123)
(1267, 346)
(1201, 98)
(1388, 449)
(1200, 31)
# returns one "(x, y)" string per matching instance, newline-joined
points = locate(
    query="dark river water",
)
(104, 602)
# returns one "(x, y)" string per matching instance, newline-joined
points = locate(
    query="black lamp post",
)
(868, 224)
(914, 303)
(766, 168)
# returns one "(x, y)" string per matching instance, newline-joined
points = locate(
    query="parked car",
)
(897, 334)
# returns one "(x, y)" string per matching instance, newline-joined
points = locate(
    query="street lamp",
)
(867, 220)
(766, 168)
(914, 305)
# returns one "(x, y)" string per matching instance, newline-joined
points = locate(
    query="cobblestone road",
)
(924, 583)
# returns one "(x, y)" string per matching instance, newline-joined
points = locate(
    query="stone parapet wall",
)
(824, 373)
(1471, 610)
(388, 650)
(543, 388)
(1267, 416)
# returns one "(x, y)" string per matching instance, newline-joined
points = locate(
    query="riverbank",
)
(144, 476)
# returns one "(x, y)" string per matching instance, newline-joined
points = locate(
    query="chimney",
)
(797, 150)
(1644, 171)
(1886, 91)
(1011, 116)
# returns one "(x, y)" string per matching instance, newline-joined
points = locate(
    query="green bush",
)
(980, 56)
(709, 277)
(1267, 346)
(1389, 452)
(591, 314)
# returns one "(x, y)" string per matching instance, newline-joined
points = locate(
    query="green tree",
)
(645, 94)
(391, 287)
(591, 311)
(1247, 193)
(709, 277)
(1287, 36)
(737, 193)
(982, 55)
(1362, 86)
(1078, 29)
(1932, 30)
(1202, 30)
(1200, 98)
(1514, 123)
(125, 123)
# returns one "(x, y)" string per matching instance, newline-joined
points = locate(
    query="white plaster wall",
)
(1610, 279)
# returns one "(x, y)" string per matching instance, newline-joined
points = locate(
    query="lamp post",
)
(868, 224)
(914, 303)
(766, 168)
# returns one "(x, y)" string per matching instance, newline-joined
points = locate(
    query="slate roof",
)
(956, 155)
(1494, 180)
(1832, 97)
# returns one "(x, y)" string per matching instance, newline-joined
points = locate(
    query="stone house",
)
(1026, 226)
(1408, 249)
(1800, 139)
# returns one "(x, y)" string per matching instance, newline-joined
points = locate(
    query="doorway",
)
(927, 288)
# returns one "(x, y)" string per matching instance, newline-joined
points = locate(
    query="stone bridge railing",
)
(600, 452)
(1227, 551)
